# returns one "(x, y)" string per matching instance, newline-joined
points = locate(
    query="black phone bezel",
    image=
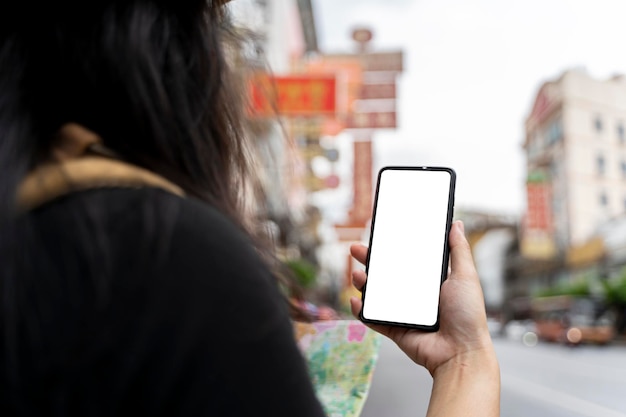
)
(446, 248)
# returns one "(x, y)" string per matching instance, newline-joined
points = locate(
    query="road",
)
(546, 380)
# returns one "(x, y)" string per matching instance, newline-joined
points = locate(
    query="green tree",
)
(578, 288)
(304, 271)
(615, 296)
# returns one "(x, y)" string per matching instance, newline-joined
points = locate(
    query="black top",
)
(140, 301)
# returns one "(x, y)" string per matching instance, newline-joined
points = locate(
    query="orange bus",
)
(572, 320)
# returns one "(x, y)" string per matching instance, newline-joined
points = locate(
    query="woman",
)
(130, 281)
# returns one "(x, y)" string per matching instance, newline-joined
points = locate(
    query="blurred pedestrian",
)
(131, 280)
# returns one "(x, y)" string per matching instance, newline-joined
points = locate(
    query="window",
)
(554, 169)
(620, 133)
(604, 199)
(600, 165)
(598, 124)
(535, 147)
(554, 132)
(623, 167)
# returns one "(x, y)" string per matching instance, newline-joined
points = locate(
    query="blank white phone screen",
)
(407, 247)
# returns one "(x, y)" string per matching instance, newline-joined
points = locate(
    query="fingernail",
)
(461, 226)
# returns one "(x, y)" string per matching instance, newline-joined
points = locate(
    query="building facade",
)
(575, 145)
(576, 162)
(279, 33)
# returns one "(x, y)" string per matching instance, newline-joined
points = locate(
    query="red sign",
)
(539, 215)
(297, 95)
(348, 74)
(372, 120)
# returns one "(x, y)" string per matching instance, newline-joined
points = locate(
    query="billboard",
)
(293, 95)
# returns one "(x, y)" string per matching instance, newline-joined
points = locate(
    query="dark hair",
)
(149, 77)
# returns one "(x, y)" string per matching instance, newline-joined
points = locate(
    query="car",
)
(521, 330)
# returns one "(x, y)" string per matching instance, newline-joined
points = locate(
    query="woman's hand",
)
(463, 334)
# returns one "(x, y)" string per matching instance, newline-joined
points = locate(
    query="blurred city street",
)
(399, 387)
(546, 380)
(532, 121)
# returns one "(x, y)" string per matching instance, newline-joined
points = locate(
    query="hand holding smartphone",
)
(408, 250)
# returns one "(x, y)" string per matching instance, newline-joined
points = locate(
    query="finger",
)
(461, 259)
(359, 252)
(356, 305)
(358, 279)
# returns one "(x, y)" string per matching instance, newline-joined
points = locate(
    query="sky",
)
(472, 70)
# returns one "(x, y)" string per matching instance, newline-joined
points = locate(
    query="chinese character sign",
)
(298, 95)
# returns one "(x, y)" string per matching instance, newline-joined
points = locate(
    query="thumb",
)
(461, 260)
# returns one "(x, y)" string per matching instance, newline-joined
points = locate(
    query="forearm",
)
(467, 386)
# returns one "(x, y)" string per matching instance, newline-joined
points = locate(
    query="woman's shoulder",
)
(154, 245)
(135, 224)
(129, 210)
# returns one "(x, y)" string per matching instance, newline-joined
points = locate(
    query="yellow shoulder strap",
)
(79, 162)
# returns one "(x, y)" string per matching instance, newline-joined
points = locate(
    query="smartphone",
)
(408, 247)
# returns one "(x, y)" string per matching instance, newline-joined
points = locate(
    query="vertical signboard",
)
(539, 214)
(537, 237)
(363, 183)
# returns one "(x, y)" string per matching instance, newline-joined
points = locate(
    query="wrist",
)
(467, 385)
(476, 361)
